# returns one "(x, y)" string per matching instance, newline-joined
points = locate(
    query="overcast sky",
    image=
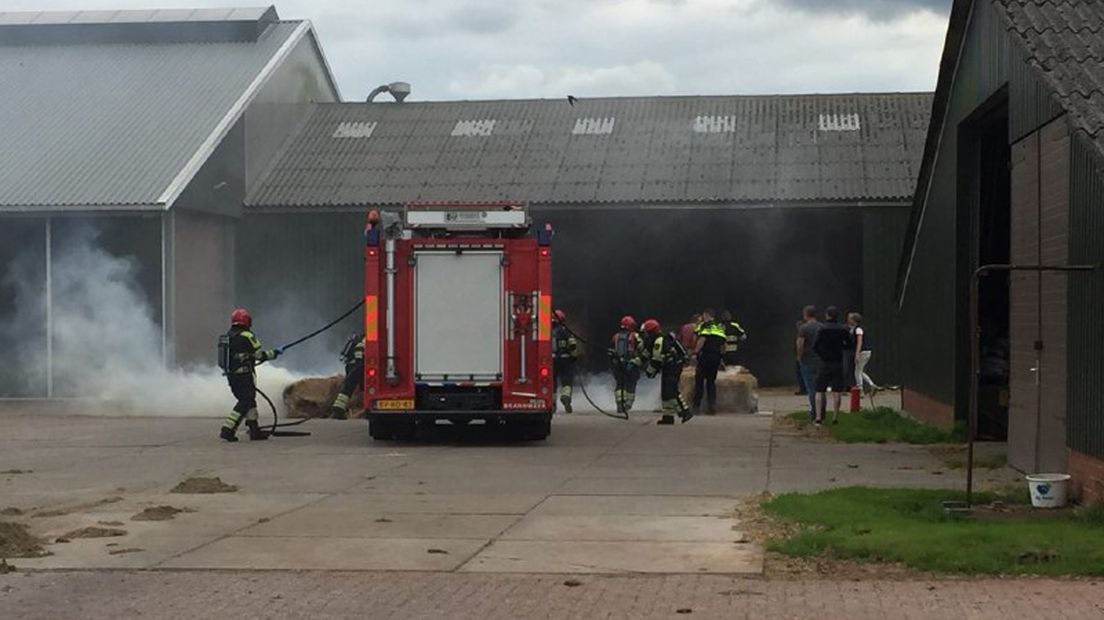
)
(478, 49)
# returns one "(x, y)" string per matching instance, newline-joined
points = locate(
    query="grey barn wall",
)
(298, 270)
(944, 250)
(882, 239)
(1085, 401)
(282, 104)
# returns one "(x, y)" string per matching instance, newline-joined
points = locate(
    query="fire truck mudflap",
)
(457, 319)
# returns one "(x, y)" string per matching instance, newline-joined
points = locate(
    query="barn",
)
(1011, 173)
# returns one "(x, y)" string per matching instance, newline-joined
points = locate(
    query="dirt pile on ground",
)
(203, 485)
(95, 532)
(737, 389)
(17, 542)
(60, 512)
(159, 513)
(312, 398)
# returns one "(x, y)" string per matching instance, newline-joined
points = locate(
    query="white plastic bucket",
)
(1048, 490)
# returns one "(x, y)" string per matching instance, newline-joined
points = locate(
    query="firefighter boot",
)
(229, 430)
(666, 420)
(255, 432)
(337, 411)
(566, 400)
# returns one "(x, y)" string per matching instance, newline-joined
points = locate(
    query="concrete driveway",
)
(600, 496)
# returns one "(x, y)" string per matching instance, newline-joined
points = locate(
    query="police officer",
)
(665, 355)
(565, 352)
(245, 353)
(353, 356)
(709, 351)
(734, 333)
(624, 355)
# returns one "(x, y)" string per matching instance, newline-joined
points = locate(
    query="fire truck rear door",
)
(458, 307)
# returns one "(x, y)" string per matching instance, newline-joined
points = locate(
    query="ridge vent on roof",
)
(355, 129)
(593, 126)
(715, 124)
(472, 128)
(839, 122)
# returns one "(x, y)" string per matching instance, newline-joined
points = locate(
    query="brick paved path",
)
(245, 595)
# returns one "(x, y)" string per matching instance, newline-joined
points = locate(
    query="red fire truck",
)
(458, 319)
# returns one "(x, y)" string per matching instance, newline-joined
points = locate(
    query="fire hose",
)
(582, 385)
(276, 424)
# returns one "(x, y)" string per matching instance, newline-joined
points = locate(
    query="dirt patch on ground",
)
(11, 512)
(95, 532)
(15, 472)
(785, 425)
(60, 512)
(987, 455)
(124, 551)
(1000, 511)
(159, 513)
(203, 485)
(17, 542)
(761, 528)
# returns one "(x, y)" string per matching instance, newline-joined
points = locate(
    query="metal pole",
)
(975, 351)
(975, 357)
(49, 311)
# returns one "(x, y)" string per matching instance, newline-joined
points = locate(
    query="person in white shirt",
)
(862, 351)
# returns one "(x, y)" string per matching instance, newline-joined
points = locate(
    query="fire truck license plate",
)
(394, 405)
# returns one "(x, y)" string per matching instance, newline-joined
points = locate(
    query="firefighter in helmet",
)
(734, 334)
(565, 353)
(664, 355)
(624, 355)
(353, 356)
(245, 353)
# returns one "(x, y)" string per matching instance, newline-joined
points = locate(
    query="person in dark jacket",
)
(624, 354)
(353, 356)
(709, 350)
(734, 335)
(565, 352)
(664, 355)
(245, 354)
(833, 342)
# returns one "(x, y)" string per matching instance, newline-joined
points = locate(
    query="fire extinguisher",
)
(856, 399)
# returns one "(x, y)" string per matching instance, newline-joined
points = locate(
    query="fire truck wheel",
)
(538, 430)
(392, 430)
(381, 430)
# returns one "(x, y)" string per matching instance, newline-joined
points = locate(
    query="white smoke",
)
(107, 344)
(600, 387)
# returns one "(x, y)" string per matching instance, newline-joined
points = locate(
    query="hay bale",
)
(737, 389)
(311, 398)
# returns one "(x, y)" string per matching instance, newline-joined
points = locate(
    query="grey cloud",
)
(479, 18)
(879, 10)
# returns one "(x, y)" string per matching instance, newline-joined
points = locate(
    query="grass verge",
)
(909, 527)
(881, 425)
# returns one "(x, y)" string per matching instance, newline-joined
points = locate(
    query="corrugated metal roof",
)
(1064, 40)
(114, 124)
(612, 150)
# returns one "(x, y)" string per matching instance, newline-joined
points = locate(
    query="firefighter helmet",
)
(241, 316)
(651, 326)
(559, 316)
(627, 322)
